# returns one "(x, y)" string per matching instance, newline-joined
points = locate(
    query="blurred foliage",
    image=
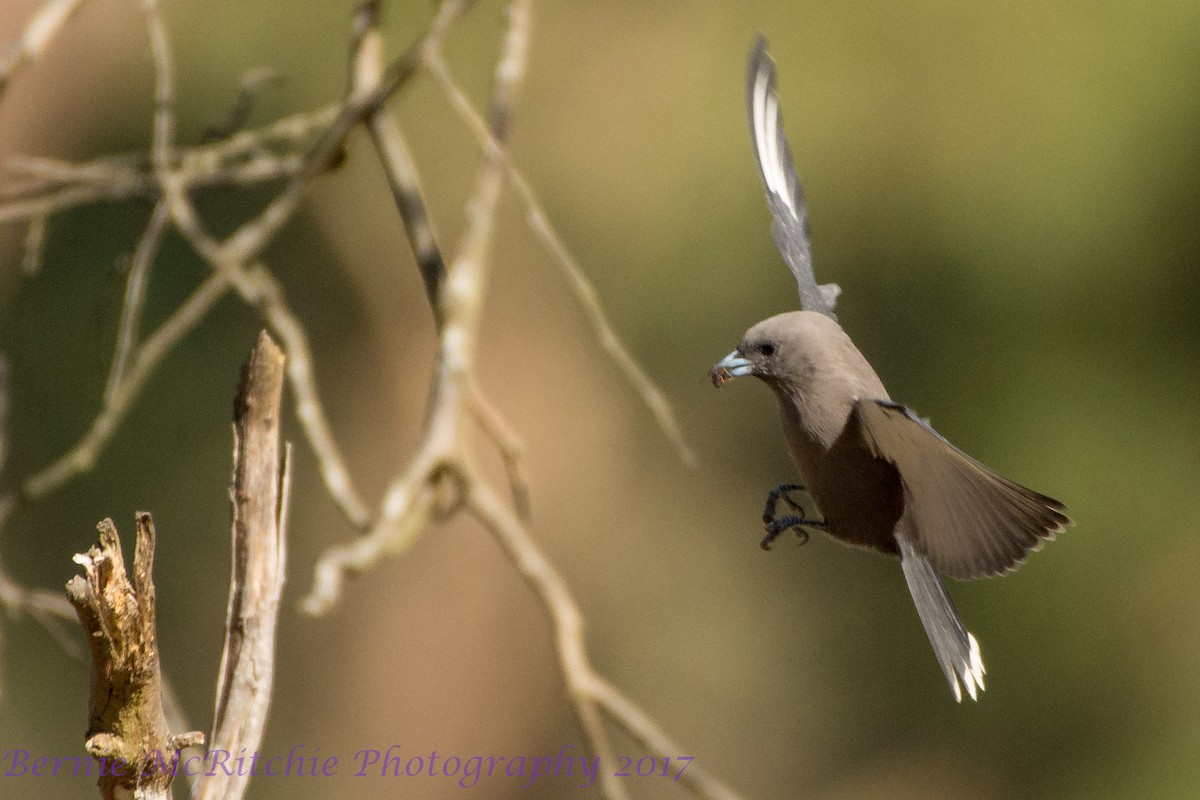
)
(1009, 196)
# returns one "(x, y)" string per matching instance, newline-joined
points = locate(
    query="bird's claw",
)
(777, 526)
(781, 492)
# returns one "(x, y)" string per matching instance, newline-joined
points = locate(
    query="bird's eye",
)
(767, 349)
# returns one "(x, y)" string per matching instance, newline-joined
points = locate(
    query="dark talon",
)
(777, 526)
(773, 497)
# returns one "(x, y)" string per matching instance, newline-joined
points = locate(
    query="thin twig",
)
(121, 177)
(409, 500)
(585, 293)
(642, 727)
(366, 62)
(403, 180)
(407, 510)
(41, 199)
(84, 452)
(566, 620)
(250, 239)
(254, 83)
(246, 159)
(578, 282)
(135, 298)
(56, 172)
(49, 609)
(255, 284)
(512, 450)
(79, 184)
(36, 37)
(271, 304)
(288, 132)
(587, 690)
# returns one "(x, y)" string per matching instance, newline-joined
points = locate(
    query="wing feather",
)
(969, 521)
(785, 197)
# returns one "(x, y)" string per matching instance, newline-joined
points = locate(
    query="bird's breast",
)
(859, 496)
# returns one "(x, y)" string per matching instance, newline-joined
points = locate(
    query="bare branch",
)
(126, 722)
(394, 155)
(246, 159)
(407, 510)
(566, 619)
(259, 496)
(409, 499)
(409, 502)
(588, 691)
(135, 298)
(254, 284)
(56, 172)
(404, 182)
(443, 462)
(42, 194)
(64, 185)
(650, 394)
(252, 237)
(37, 36)
(254, 83)
(288, 133)
(49, 609)
(83, 453)
(309, 409)
(642, 727)
(512, 450)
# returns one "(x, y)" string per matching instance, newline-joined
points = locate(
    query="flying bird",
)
(880, 476)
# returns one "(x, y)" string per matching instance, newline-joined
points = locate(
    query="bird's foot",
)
(781, 492)
(777, 526)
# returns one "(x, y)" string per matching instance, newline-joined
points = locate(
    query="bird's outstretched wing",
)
(969, 521)
(784, 194)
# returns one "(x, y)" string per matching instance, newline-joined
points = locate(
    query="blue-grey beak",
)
(731, 366)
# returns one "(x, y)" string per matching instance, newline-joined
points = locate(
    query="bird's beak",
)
(731, 366)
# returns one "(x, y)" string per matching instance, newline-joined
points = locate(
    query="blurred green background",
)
(1009, 196)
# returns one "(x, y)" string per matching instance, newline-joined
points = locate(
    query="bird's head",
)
(780, 349)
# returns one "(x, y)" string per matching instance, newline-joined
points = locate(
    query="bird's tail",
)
(956, 649)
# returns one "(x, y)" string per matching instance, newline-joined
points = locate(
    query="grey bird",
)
(880, 476)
